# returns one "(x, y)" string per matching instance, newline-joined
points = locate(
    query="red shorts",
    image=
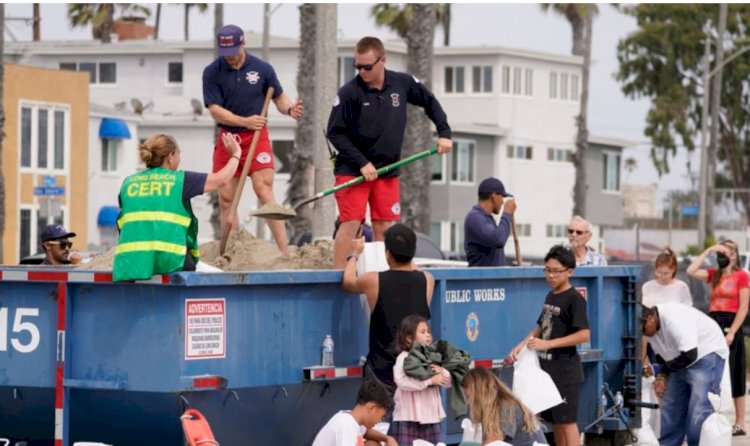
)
(262, 159)
(382, 194)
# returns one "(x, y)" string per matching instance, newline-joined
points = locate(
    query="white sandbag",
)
(203, 267)
(726, 406)
(498, 443)
(426, 443)
(372, 258)
(472, 432)
(532, 385)
(716, 430)
(648, 434)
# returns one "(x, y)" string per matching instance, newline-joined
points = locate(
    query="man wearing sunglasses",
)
(57, 246)
(366, 125)
(579, 234)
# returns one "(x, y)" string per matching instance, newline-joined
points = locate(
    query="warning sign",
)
(205, 328)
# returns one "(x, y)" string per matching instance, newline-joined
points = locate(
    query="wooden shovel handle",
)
(227, 227)
(516, 244)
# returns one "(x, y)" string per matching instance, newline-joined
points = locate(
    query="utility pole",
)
(37, 25)
(713, 144)
(704, 155)
(266, 31)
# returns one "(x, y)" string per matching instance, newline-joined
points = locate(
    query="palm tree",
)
(202, 7)
(213, 197)
(581, 19)
(416, 24)
(2, 130)
(399, 18)
(101, 16)
(157, 22)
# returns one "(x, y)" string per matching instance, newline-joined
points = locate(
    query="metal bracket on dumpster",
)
(320, 373)
(591, 355)
(204, 382)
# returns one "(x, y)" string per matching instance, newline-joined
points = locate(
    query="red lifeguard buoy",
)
(196, 428)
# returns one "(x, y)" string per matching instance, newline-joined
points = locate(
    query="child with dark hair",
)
(352, 428)
(562, 325)
(419, 410)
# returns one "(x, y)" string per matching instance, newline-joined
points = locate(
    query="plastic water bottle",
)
(619, 401)
(603, 404)
(327, 351)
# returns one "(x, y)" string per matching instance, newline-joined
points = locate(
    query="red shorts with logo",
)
(262, 159)
(382, 195)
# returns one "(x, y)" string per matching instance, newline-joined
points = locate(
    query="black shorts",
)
(567, 411)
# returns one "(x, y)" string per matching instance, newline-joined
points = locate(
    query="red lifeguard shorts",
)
(382, 195)
(262, 159)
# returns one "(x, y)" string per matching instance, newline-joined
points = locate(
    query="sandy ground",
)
(246, 253)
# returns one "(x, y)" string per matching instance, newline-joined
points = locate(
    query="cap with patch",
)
(492, 185)
(54, 232)
(229, 39)
(401, 240)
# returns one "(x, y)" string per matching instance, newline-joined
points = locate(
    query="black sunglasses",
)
(63, 245)
(576, 231)
(367, 66)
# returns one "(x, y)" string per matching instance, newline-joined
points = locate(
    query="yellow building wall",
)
(23, 83)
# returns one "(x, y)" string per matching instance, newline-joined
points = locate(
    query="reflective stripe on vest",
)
(171, 248)
(153, 216)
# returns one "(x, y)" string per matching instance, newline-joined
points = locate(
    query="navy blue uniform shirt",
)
(484, 241)
(367, 125)
(242, 91)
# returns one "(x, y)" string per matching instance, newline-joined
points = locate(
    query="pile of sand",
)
(246, 253)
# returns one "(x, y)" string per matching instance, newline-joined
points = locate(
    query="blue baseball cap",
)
(54, 232)
(492, 185)
(229, 39)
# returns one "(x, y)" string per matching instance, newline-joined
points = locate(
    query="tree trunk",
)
(578, 24)
(582, 138)
(213, 198)
(446, 24)
(186, 25)
(157, 22)
(108, 22)
(324, 211)
(713, 142)
(265, 53)
(37, 23)
(301, 174)
(218, 19)
(2, 131)
(415, 177)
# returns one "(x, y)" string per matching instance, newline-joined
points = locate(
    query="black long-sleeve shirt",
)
(367, 125)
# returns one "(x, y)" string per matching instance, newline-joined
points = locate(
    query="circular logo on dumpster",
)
(472, 326)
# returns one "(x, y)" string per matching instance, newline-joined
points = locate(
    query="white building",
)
(512, 112)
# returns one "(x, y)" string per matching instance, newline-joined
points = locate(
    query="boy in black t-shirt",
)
(562, 325)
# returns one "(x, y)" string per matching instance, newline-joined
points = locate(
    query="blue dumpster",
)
(85, 359)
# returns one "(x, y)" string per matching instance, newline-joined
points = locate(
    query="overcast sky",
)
(514, 25)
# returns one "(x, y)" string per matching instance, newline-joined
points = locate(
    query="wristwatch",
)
(354, 254)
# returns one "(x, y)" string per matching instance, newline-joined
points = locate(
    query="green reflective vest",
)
(157, 229)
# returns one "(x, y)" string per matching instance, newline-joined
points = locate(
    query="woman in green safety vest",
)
(158, 231)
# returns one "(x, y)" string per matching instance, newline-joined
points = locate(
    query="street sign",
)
(49, 191)
(48, 181)
(690, 211)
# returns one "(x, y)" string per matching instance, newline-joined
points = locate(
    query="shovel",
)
(276, 212)
(227, 227)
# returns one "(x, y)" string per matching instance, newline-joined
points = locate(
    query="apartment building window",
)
(99, 72)
(24, 224)
(283, 155)
(521, 152)
(553, 85)
(436, 233)
(559, 155)
(557, 231)
(528, 82)
(564, 86)
(462, 158)
(438, 168)
(174, 72)
(517, 80)
(43, 136)
(346, 70)
(109, 155)
(523, 229)
(31, 223)
(506, 79)
(482, 79)
(574, 87)
(457, 236)
(611, 171)
(454, 79)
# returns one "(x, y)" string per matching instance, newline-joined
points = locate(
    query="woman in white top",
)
(665, 287)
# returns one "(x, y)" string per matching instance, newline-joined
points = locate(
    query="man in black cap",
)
(484, 240)
(57, 246)
(394, 294)
(234, 90)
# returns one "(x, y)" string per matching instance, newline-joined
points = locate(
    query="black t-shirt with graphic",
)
(563, 314)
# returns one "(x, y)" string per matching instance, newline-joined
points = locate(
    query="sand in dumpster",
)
(247, 253)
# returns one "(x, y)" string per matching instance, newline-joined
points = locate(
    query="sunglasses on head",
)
(576, 231)
(367, 66)
(63, 245)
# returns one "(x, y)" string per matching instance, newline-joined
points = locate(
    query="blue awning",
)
(108, 216)
(111, 128)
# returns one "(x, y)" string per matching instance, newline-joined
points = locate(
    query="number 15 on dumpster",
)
(24, 334)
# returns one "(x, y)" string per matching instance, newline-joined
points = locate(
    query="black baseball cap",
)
(401, 240)
(54, 232)
(492, 185)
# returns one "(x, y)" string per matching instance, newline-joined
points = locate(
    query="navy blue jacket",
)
(484, 241)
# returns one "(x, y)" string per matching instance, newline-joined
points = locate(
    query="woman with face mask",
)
(730, 293)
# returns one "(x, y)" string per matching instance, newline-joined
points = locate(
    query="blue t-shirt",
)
(484, 241)
(240, 91)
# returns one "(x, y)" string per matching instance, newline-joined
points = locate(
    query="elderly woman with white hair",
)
(579, 234)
